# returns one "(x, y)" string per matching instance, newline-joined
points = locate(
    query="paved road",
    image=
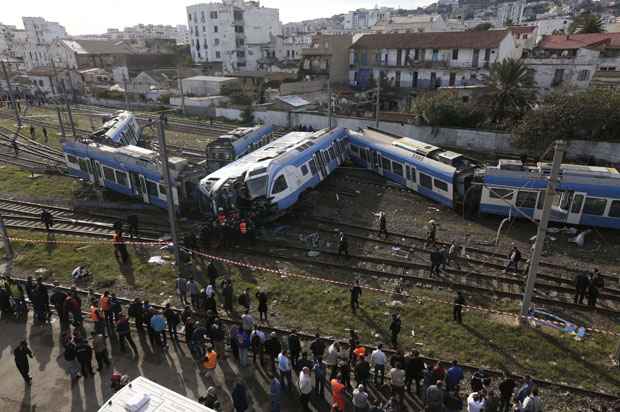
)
(52, 390)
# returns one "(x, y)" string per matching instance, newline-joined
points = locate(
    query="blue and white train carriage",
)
(271, 179)
(587, 195)
(235, 144)
(438, 174)
(133, 171)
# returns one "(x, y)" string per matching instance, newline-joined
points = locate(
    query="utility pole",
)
(329, 97)
(126, 96)
(64, 96)
(5, 237)
(163, 153)
(560, 148)
(180, 80)
(378, 102)
(8, 84)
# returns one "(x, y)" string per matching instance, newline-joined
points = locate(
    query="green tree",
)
(247, 115)
(586, 23)
(590, 114)
(511, 91)
(446, 109)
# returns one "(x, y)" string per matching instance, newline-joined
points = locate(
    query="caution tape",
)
(287, 273)
(87, 242)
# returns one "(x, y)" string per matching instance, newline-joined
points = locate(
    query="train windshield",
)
(257, 187)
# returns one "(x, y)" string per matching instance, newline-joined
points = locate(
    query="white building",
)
(428, 60)
(234, 32)
(40, 34)
(512, 12)
(179, 33)
(201, 86)
(362, 19)
(410, 24)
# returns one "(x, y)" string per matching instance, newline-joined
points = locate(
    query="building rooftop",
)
(579, 41)
(522, 29)
(294, 101)
(436, 40)
(98, 47)
(211, 78)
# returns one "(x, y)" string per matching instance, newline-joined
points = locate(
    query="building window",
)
(487, 55)
(426, 181)
(238, 29)
(452, 81)
(558, 77)
(218, 55)
(455, 54)
(583, 75)
(594, 206)
(189, 17)
(202, 16)
(216, 42)
(414, 80)
(215, 29)
(204, 29)
(213, 14)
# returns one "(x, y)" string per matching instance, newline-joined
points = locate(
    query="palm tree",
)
(511, 90)
(586, 23)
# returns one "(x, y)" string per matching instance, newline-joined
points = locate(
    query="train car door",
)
(142, 188)
(576, 207)
(94, 171)
(410, 177)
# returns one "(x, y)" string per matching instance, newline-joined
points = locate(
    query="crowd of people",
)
(373, 379)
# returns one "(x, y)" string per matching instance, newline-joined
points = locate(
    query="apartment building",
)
(235, 33)
(576, 61)
(328, 57)
(428, 60)
(362, 19)
(40, 34)
(179, 33)
(411, 24)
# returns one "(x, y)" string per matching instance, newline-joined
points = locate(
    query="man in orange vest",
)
(120, 248)
(96, 317)
(243, 228)
(209, 362)
(106, 307)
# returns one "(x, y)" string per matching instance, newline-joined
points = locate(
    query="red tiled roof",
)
(521, 29)
(579, 41)
(432, 40)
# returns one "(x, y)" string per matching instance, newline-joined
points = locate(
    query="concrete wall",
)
(302, 87)
(464, 139)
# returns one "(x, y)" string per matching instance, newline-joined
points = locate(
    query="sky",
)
(96, 16)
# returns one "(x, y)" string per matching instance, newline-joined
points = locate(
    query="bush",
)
(586, 115)
(447, 109)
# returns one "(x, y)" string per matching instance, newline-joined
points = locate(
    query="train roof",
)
(242, 137)
(115, 128)
(516, 167)
(445, 160)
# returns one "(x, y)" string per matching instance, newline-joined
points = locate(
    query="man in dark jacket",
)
(513, 259)
(317, 347)
(273, 347)
(582, 282)
(58, 300)
(506, 388)
(395, 329)
(228, 293)
(212, 273)
(22, 353)
(356, 292)
(436, 261)
(85, 358)
(414, 369)
(124, 334)
(362, 372)
(136, 311)
(41, 301)
(457, 310)
(262, 298)
(172, 319)
(294, 348)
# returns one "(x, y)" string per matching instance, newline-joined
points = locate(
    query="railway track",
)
(26, 215)
(473, 282)
(307, 336)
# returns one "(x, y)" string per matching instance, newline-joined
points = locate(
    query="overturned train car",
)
(268, 181)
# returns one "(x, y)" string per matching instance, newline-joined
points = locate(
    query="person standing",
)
(395, 327)
(124, 334)
(243, 343)
(454, 376)
(414, 368)
(436, 259)
(209, 362)
(343, 244)
(457, 309)
(101, 351)
(85, 358)
(377, 360)
(397, 376)
(338, 394)
(506, 389)
(262, 298)
(317, 347)
(136, 311)
(275, 392)
(596, 284)
(582, 283)
(228, 293)
(120, 248)
(158, 326)
(360, 399)
(257, 340)
(362, 371)
(532, 402)
(318, 368)
(476, 402)
(356, 292)
(382, 224)
(21, 353)
(193, 290)
(305, 388)
(106, 309)
(431, 233)
(513, 260)
(294, 347)
(173, 320)
(245, 300)
(132, 226)
(284, 368)
(434, 397)
(240, 397)
(212, 273)
(181, 289)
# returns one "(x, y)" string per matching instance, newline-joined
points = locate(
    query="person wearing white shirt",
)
(331, 359)
(305, 388)
(360, 399)
(475, 402)
(284, 367)
(377, 360)
(532, 402)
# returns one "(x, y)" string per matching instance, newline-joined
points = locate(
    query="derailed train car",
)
(122, 129)
(268, 181)
(235, 144)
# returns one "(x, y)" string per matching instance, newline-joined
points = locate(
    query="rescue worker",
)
(343, 244)
(120, 248)
(513, 260)
(47, 219)
(243, 229)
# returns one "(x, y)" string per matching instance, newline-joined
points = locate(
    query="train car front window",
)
(280, 185)
(257, 187)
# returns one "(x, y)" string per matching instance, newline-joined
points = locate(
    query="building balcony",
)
(316, 52)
